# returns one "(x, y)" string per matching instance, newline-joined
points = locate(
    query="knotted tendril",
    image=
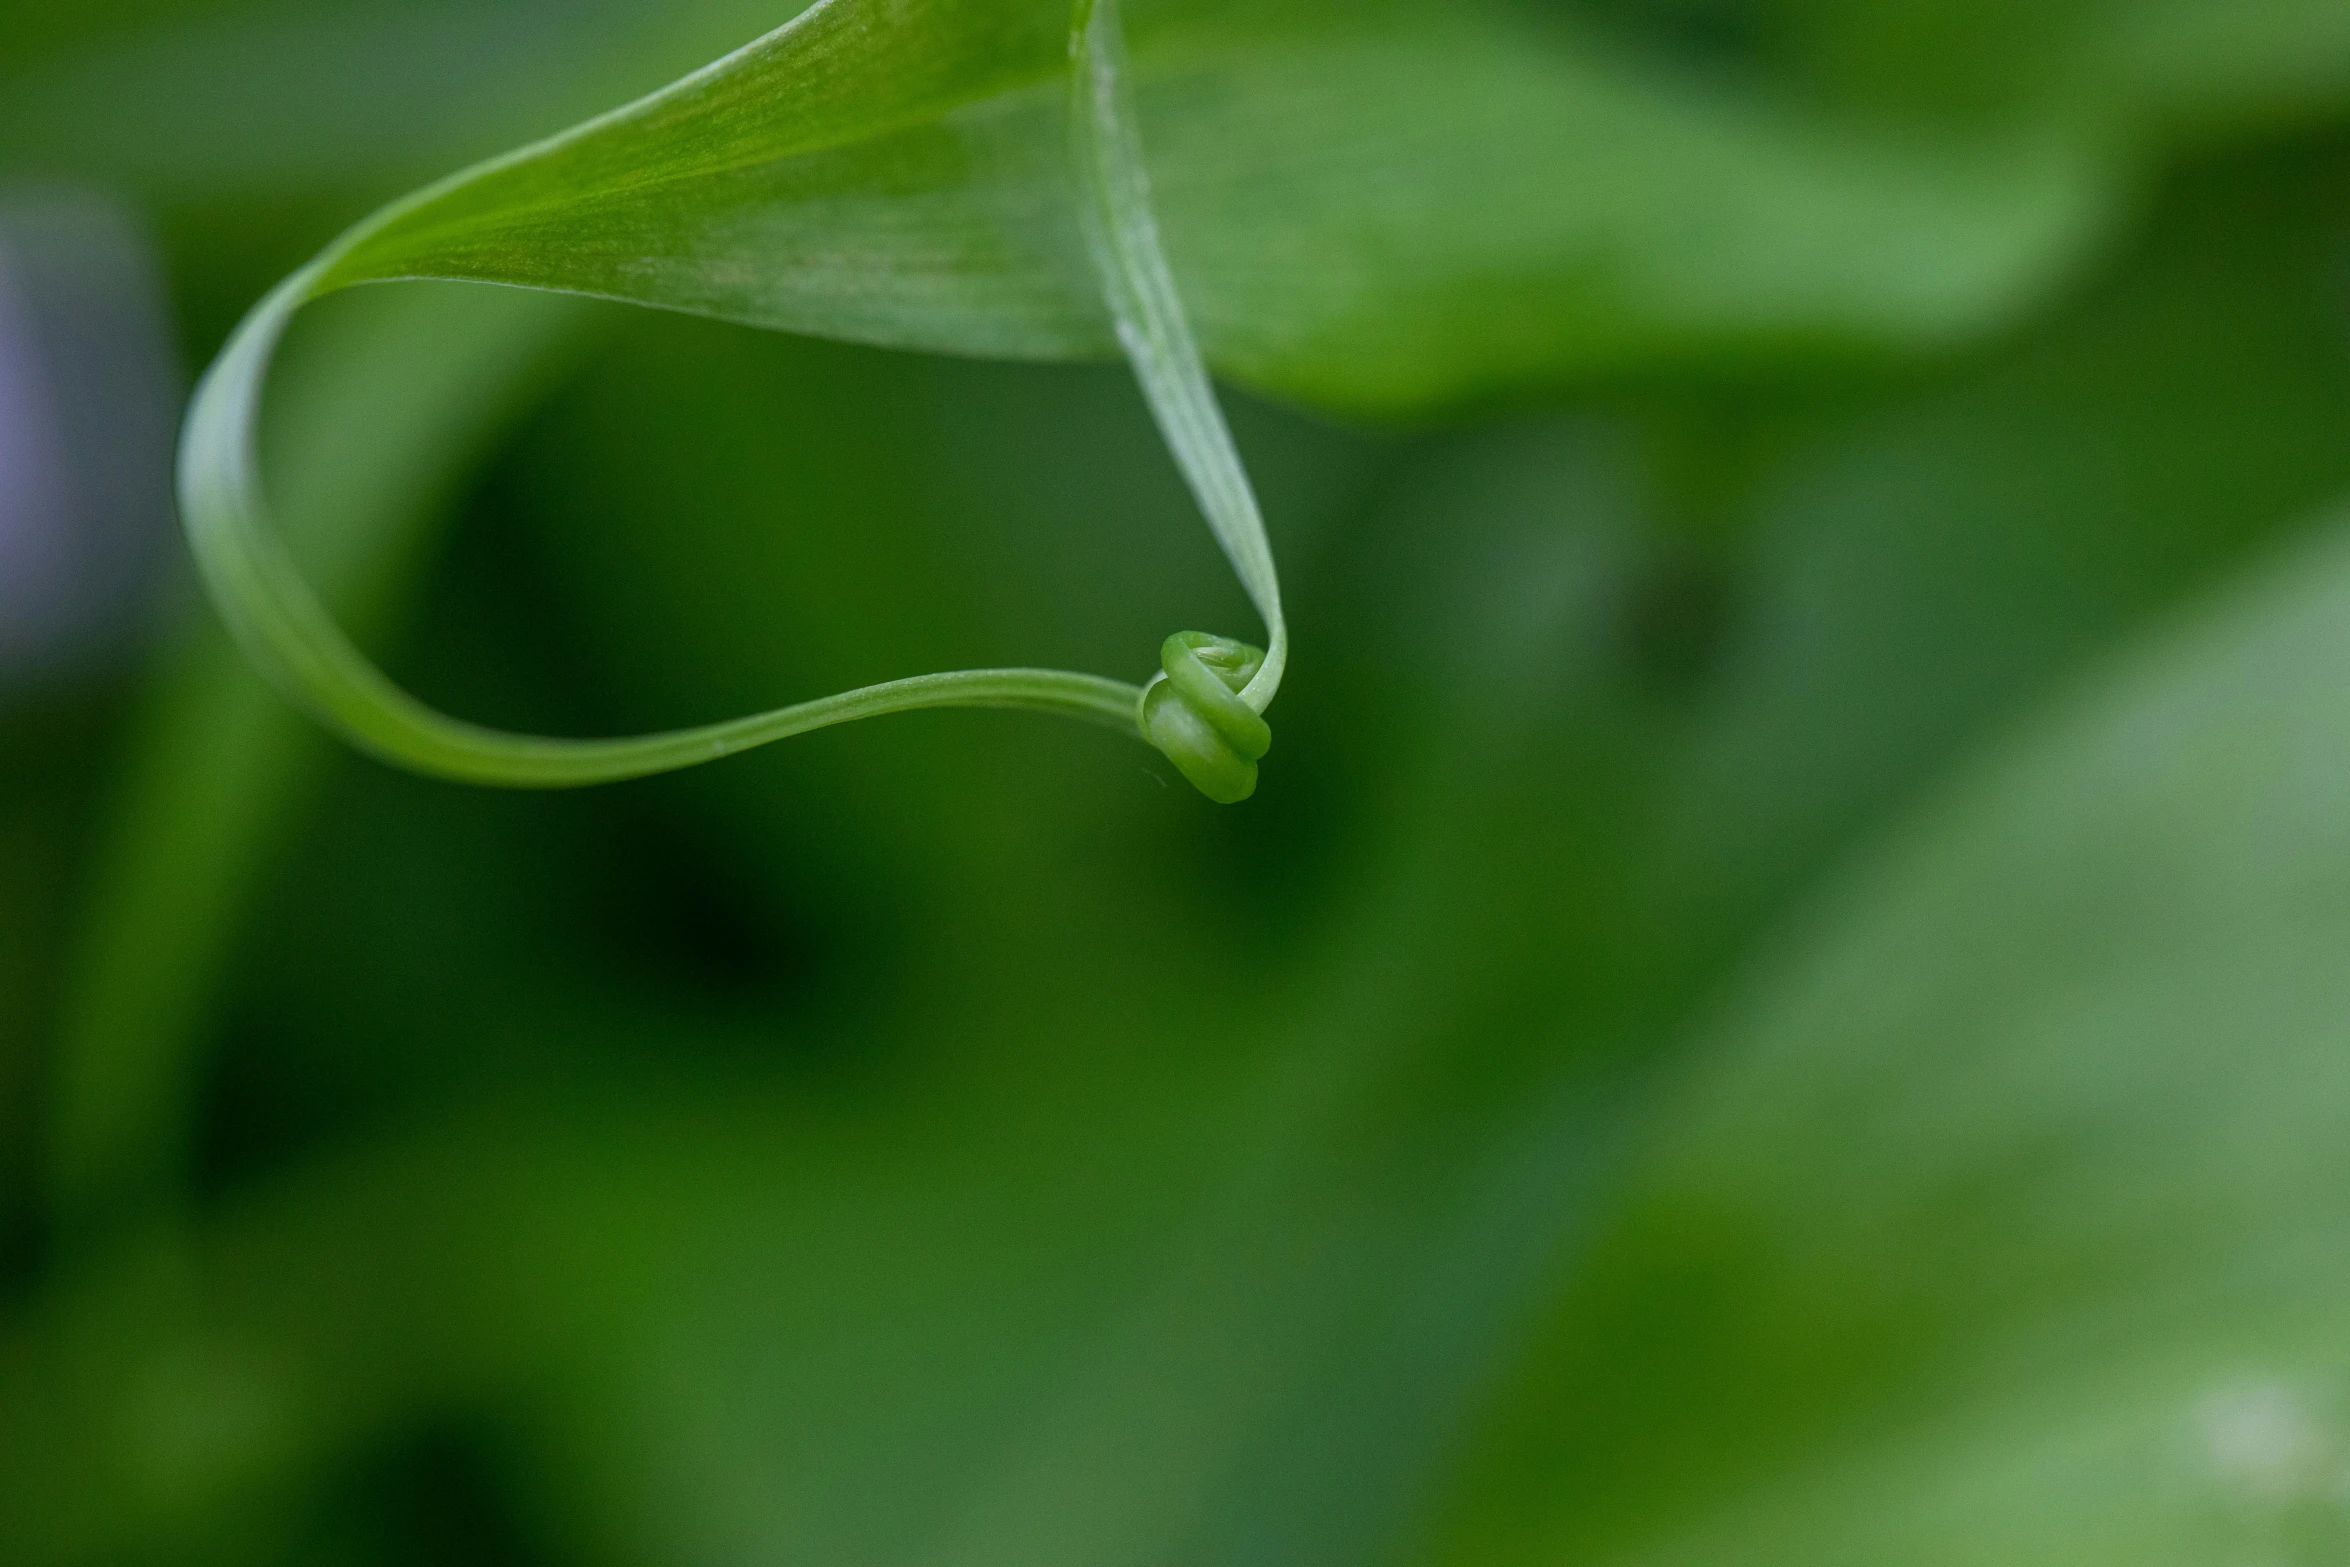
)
(1195, 711)
(1204, 709)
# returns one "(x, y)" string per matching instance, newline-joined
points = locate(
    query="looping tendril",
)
(1192, 711)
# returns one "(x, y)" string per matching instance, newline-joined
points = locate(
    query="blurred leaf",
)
(1922, 565)
(2200, 66)
(205, 101)
(2171, 71)
(2001, 1223)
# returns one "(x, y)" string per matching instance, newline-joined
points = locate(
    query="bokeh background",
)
(1785, 997)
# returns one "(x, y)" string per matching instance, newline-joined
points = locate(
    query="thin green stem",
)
(289, 634)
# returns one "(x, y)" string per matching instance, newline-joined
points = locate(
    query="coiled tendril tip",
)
(1193, 712)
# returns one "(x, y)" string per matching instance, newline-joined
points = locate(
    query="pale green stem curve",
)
(285, 629)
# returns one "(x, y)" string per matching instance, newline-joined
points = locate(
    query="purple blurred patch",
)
(88, 402)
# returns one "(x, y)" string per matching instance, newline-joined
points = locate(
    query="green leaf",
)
(1379, 206)
(2000, 1222)
(1375, 208)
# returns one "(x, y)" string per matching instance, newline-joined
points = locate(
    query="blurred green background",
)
(1785, 997)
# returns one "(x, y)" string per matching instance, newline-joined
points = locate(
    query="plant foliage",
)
(1782, 1000)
